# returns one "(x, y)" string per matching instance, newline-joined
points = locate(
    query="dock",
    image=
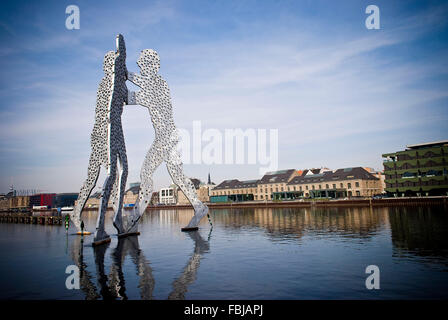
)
(28, 219)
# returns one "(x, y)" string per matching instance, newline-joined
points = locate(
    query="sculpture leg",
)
(92, 176)
(100, 232)
(175, 168)
(153, 159)
(119, 188)
(114, 194)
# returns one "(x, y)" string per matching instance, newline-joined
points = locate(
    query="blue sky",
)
(340, 95)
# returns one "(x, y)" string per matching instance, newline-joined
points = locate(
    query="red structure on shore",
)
(42, 199)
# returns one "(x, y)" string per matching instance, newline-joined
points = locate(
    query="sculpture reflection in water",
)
(188, 276)
(85, 278)
(113, 287)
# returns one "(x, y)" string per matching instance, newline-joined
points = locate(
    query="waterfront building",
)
(272, 182)
(93, 201)
(205, 190)
(4, 203)
(234, 190)
(65, 200)
(419, 170)
(19, 202)
(154, 199)
(340, 183)
(42, 199)
(131, 195)
(380, 175)
(167, 195)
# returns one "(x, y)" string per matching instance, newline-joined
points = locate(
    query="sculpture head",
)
(120, 45)
(108, 62)
(149, 62)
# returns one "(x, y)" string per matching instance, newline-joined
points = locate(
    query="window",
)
(349, 185)
(320, 187)
(306, 187)
(300, 188)
(357, 184)
(358, 193)
(313, 186)
(342, 185)
(327, 187)
(334, 185)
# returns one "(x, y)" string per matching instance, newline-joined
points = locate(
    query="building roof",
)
(196, 182)
(227, 184)
(236, 184)
(277, 176)
(247, 184)
(337, 175)
(427, 144)
(134, 189)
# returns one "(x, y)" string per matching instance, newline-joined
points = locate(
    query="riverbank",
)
(385, 202)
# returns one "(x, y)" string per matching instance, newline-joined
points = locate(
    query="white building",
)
(167, 196)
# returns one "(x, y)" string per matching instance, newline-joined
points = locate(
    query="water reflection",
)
(421, 230)
(113, 286)
(296, 222)
(188, 276)
(85, 279)
(316, 241)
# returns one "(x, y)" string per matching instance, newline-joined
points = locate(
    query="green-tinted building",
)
(420, 170)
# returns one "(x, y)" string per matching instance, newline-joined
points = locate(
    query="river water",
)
(298, 253)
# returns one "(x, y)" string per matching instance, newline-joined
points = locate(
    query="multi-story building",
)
(380, 175)
(419, 170)
(19, 202)
(340, 183)
(167, 195)
(294, 184)
(65, 200)
(42, 199)
(154, 199)
(131, 195)
(234, 190)
(273, 182)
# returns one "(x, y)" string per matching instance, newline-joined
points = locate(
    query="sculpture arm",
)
(131, 97)
(136, 79)
(135, 97)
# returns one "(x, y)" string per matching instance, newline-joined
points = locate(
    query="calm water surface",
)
(249, 254)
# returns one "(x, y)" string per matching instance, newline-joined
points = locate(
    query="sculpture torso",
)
(112, 93)
(155, 95)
